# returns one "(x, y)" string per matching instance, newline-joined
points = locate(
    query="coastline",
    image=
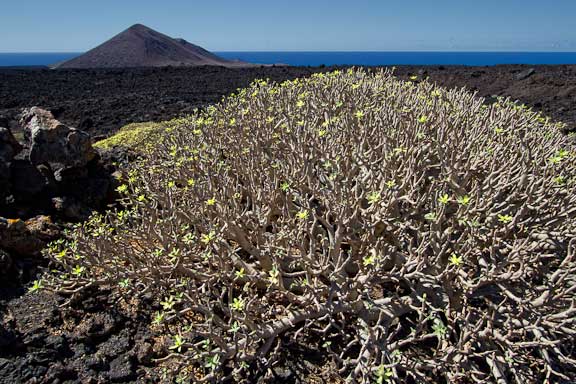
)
(333, 58)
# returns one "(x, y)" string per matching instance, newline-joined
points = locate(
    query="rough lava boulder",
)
(9, 148)
(27, 237)
(60, 169)
(5, 265)
(55, 172)
(54, 176)
(61, 147)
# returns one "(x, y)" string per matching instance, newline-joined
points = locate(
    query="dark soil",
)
(95, 340)
(101, 101)
(92, 337)
(550, 89)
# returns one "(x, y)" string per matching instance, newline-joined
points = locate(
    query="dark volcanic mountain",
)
(140, 46)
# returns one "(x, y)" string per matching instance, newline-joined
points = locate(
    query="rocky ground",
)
(94, 340)
(550, 89)
(101, 101)
(50, 179)
(91, 343)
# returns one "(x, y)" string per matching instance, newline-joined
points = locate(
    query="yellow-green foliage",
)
(141, 137)
(413, 233)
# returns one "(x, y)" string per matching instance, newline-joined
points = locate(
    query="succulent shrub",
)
(415, 233)
(141, 137)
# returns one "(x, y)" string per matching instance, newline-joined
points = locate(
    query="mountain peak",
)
(141, 46)
(138, 26)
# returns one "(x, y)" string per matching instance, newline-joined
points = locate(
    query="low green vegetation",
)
(410, 233)
(142, 137)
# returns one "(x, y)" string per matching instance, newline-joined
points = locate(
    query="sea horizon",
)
(332, 58)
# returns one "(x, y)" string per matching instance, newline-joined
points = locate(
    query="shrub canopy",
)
(137, 136)
(411, 233)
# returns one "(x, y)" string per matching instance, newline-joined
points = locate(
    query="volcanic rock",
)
(9, 148)
(71, 209)
(5, 266)
(140, 46)
(4, 121)
(4, 180)
(59, 173)
(28, 181)
(42, 228)
(54, 143)
(26, 237)
(525, 74)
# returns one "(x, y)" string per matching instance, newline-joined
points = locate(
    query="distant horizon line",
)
(337, 51)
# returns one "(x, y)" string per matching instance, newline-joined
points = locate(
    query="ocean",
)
(403, 58)
(340, 58)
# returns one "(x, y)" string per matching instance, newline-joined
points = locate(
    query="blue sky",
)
(377, 25)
